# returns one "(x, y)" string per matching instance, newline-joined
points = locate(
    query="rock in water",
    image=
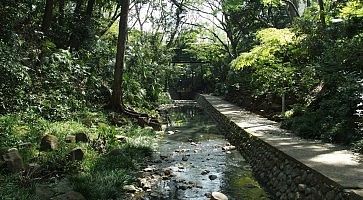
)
(144, 183)
(228, 148)
(212, 177)
(167, 172)
(76, 155)
(48, 143)
(204, 172)
(185, 158)
(219, 196)
(130, 188)
(13, 160)
(149, 169)
(82, 137)
(182, 187)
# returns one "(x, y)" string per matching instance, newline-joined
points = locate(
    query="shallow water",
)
(193, 136)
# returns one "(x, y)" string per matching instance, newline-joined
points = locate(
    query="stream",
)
(191, 163)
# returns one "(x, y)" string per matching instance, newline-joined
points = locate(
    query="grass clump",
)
(108, 164)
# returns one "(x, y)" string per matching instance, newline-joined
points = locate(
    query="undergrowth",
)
(100, 175)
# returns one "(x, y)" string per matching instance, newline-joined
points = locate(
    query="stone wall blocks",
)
(291, 195)
(284, 177)
(283, 197)
(330, 195)
(301, 187)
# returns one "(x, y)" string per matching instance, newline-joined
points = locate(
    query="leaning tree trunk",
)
(116, 98)
(48, 14)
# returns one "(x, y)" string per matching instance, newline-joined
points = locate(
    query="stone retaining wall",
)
(281, 175)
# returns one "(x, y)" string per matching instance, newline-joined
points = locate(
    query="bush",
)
(15, 79)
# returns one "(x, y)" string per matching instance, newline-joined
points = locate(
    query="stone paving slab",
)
(338, 164)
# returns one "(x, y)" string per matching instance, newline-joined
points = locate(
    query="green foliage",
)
(272, 2)
(271, 41)
(102, 184)
(352, 9)
(15, 78)
(331, 116)
(358, 146)
(147, 69)
(272, 62)
(103, 176)
(9, 189)
(98, 176)
(297, 62)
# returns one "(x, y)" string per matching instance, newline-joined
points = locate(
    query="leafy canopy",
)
(271, 41)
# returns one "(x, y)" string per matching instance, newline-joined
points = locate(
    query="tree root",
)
(142, 119)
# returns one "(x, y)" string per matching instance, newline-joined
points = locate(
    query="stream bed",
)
(191, 163)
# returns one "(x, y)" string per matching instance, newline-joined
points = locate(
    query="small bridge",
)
(191, 82)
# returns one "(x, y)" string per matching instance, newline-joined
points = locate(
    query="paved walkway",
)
(334, 162)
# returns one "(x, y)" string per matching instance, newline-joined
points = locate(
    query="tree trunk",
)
(322, 13)
(293, 9)
(89, 10)
(78, 9)
(116, 102)
(61, 5)
(74, 41)
(283, 103)
(116, 98)
(48, 14)
(178, 17)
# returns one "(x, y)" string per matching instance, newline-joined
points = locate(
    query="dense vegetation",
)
(303, 66)
(295, 61)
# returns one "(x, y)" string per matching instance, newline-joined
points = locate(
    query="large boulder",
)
(13, 161)
(49, 143)
(76, 154)
(82, 137)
